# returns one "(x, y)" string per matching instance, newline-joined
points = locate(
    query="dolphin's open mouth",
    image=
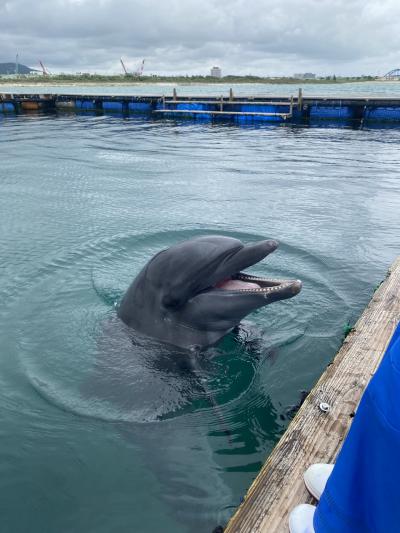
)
(230, 276)
(242, 282)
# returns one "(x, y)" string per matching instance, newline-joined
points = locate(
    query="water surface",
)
(389, 89)
(104, 432)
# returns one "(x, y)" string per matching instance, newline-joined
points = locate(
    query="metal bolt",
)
(324, 407)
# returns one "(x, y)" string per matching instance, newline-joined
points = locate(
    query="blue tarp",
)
(363, 493)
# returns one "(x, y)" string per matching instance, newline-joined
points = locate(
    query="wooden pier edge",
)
(315, 436)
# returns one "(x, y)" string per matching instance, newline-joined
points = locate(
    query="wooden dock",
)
(315, 435)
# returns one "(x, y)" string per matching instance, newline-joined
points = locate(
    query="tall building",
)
(216, 72)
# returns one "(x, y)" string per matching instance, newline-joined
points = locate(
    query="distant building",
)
(305, 76)
(216, 72)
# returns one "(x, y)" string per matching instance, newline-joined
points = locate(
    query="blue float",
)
(383, 113)
(7, 107)
(113, 106)
(88, 105)
(256, 118)
(325, 111)
(203, 116)
(141, 107)
(192, 107)
(252, 108)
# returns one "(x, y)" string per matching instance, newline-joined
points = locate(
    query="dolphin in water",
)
(195, 292)
(187, 297)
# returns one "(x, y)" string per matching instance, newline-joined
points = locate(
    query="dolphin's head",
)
(193, 293)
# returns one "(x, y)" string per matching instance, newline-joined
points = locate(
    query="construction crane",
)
(123, 66)
(44, 69)
(137, 72)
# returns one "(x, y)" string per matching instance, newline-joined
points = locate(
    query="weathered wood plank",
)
(207, 112)
(230, 102)
(314, 436)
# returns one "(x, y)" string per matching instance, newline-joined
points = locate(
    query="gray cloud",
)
(262, 37)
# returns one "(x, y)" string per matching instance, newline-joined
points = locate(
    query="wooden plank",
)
(230, 102)
(198, 112)
(314, 436)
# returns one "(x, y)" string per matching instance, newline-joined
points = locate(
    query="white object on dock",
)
(315, 478)
(301, 519)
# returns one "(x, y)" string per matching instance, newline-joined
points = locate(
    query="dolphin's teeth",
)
(266, 289)
(245, 277)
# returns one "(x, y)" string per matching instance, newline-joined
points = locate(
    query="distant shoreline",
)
(120, 81)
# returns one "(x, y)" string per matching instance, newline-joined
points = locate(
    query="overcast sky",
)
(263, 37)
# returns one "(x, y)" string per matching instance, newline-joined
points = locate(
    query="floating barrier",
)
(88, 105)
(31, 105)
(239, 110)
(383, 113)
(315, 111)
(65, 104)
(190, 107)
(331, 112)
(113, 106)
(140, 107)
(7, 107)
(274, 113)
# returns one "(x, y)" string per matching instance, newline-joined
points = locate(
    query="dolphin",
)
(192, 294)
(187, 297)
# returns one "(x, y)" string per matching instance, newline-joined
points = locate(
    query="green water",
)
(99, 434)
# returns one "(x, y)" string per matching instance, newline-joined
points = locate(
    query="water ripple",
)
(86, 201)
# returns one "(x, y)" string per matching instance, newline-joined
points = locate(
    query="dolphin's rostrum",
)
(192, 294)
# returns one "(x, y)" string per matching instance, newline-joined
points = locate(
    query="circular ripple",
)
(78, 356)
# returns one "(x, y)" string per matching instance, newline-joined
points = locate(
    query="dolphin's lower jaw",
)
(195, 292)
